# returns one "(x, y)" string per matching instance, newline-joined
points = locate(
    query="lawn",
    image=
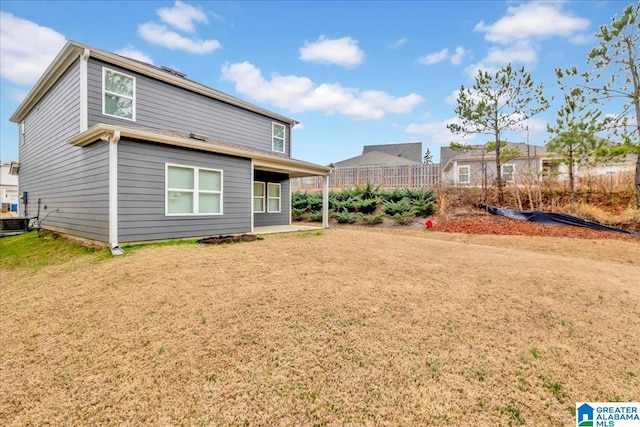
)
(346, 326)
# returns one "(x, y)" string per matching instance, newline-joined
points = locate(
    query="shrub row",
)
(361, 203)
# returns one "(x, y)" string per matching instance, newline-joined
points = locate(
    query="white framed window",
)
(193, 191)
(118, 94)
(507, 172)
(464, 174)
(274, 198)
(258, 197)
(278, 137)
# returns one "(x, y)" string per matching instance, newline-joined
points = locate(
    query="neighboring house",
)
(115, 150)
(407, 150)
(9, 186)
(469, 168)
(624, 164)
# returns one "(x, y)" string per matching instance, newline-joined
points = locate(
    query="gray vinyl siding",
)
(523, 169)
(284, 216)
(141, 193)
(72, 182)
(160, 105)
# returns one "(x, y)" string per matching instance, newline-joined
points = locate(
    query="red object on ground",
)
(429, 223)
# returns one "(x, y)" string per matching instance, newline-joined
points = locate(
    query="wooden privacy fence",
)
(404, 176)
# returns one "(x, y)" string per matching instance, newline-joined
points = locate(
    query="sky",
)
(353, 73)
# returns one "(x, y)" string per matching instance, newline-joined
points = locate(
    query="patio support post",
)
(325, 201)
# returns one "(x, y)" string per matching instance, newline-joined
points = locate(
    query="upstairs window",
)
(278, 137)
(118, 95)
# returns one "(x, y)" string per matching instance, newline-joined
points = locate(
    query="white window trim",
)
(196, 190)
(513, 171)
(279, 198)
(284, 137)
(468, 168)
(263, 197)
(104, 92)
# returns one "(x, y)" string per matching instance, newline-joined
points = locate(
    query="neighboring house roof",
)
(73, 50)
(476, 153)
(408, 150)
(372, 158)
(261, 159)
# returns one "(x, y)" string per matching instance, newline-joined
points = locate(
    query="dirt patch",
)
(219, 240)
(344, 327)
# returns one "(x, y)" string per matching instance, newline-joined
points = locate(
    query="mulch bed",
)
(506, 226)
(229, 239)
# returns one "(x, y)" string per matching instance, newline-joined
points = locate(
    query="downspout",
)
(251, 201)
(113, 193)
(84, 91)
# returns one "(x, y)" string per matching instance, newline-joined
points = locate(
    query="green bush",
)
(315, 202)
(370, 192)
(344, 205)
(372, 219)
(393, 208)
(423, 208)
(403, 218)
(421, 194)
(299, 200)
(366, 206)
(395, 195)
(345, 217)
(316, 216)
(298, 214)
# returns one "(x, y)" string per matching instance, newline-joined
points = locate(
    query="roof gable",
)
(74, 50)
(407, 150)
(372, 158)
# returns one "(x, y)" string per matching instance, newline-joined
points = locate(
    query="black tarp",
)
(553, 219)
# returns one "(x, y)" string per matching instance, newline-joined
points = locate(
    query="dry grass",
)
(342, 327)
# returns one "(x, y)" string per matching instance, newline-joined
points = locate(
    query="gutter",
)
(290, 165)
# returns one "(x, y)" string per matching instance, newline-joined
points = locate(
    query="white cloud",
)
(453, 98)
(581, 39)
(161, 35)
(130, 52)
(532, 20)
(26, 49)
(398, 43)
(456, 58)
(182, 16)
(344, 51)
(298, 94)
(521, 52)
(437, 132)
(434, 58)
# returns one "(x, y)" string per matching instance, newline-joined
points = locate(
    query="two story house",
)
(115, 150)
